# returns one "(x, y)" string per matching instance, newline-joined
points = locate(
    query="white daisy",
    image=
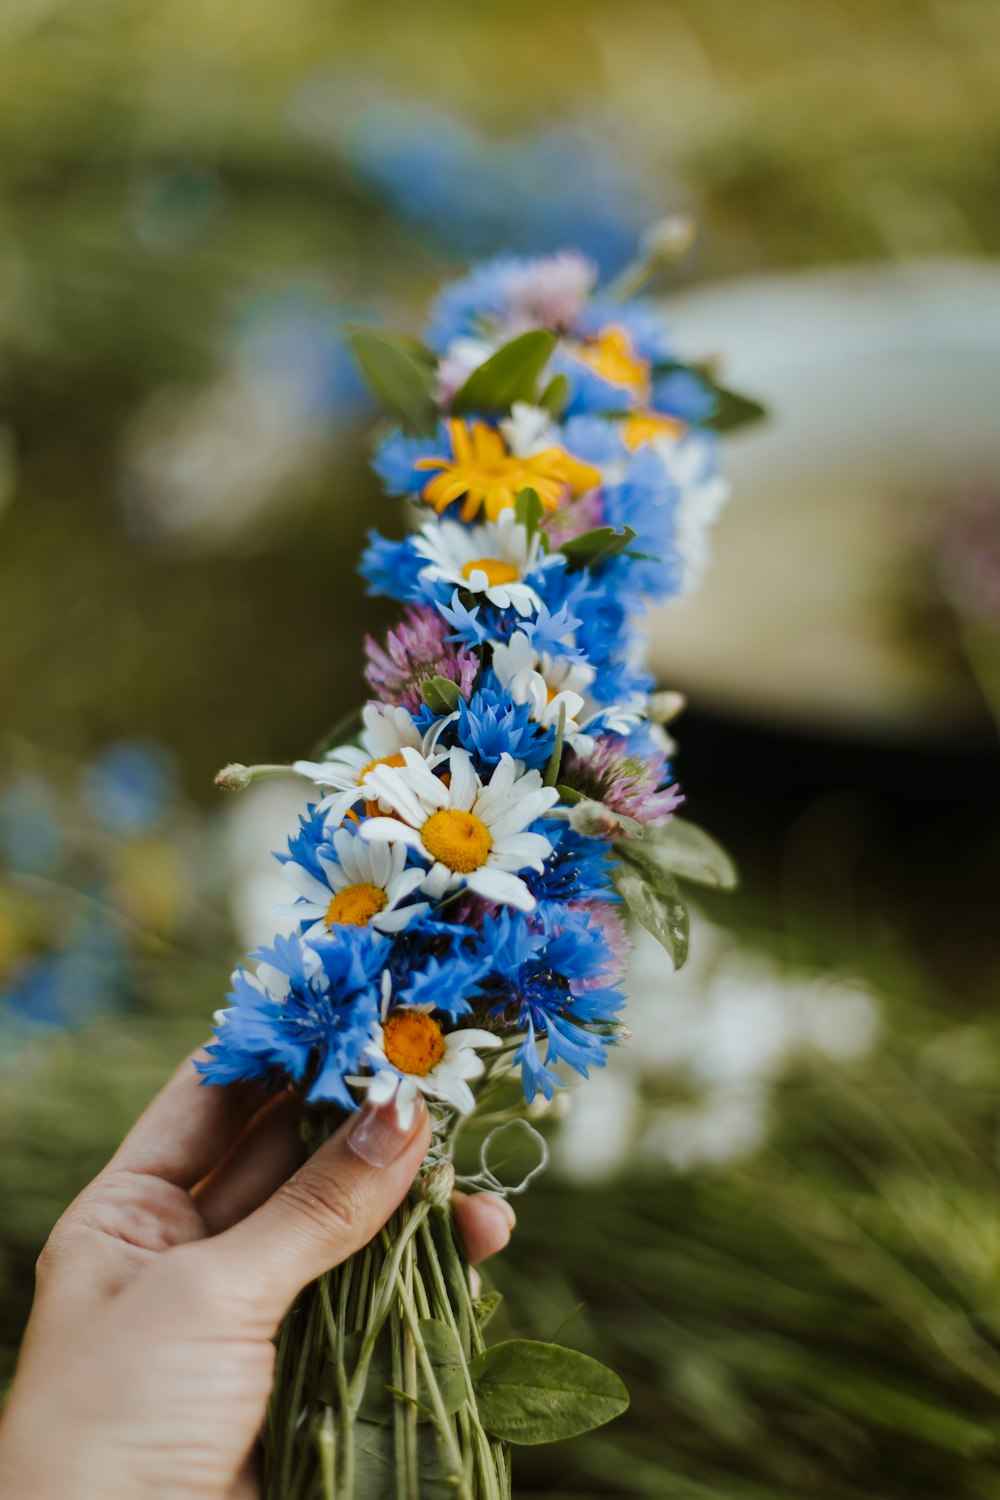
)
(472, 834)
(387, 732)
(548, 687)
(549, 683)
(529, 430)
(364, 885)
(493, 558)
(411, 1054)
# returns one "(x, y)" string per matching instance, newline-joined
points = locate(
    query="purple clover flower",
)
(417, 650)
(635, 786)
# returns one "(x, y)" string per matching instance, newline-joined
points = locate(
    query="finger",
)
(265, 1156)
(331, 1207)
(485, 1222)
(139, 1206)
(189, 1126)
(246, 1485)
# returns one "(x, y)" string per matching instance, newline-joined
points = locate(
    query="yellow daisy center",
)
(646, 426)
(612, 356)
(413, 1041)
(496, 571)
(382, 760)
(355, 905)
(371, 805)
(458, 839)
(490, 478)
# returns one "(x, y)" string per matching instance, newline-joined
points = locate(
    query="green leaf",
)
(486, 1306)
(400, 375)
(733, 410)
(654, 898)
(555, 395)
(529, 511)
(441, 695)
(688, 851)
(730, 410)
(376, 1461)
(509, 375)
(446, 1358)
(569, 794)
(596, 546)
(376, 1403)
(538, 1393)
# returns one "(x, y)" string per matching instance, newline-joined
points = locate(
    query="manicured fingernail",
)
(377, 1135)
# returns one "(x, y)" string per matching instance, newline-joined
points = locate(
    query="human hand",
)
(148, 1359)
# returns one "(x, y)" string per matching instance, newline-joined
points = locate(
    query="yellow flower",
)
(612, 355)
(490, 477)
(646, 426)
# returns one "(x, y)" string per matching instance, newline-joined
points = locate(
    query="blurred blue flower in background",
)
(130, 786)
(30, 830)
(296, 332)
(465, 195)
(67, 988)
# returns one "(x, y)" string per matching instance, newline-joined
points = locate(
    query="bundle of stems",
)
(373, 1395)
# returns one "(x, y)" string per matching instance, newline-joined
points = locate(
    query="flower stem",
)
(355, 1330)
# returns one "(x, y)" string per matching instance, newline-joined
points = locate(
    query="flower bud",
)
(438, 1183)
(668, 240)
(594, 820)
(664, 707)
(234, 778)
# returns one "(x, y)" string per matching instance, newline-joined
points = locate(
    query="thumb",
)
(330, 1208)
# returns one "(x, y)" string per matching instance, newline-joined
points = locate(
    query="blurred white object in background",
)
(203, 463)
(882, 387)
(692, 1086)
(258, 821)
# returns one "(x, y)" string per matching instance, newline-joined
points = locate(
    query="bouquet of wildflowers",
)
(477, 835)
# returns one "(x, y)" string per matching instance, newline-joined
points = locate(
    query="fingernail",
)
(377, 1135)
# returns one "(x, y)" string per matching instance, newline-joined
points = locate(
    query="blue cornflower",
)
(305, 1016)
(604, 602)
(471, 627)
(435, 963)
(683, 393)
(550, 630)
(395, 460)
(393, 569)
(305, 846)
(491, 724)
(594, 439)
(504, 296)
(579, 868)
(646, 499)
(546, 977)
